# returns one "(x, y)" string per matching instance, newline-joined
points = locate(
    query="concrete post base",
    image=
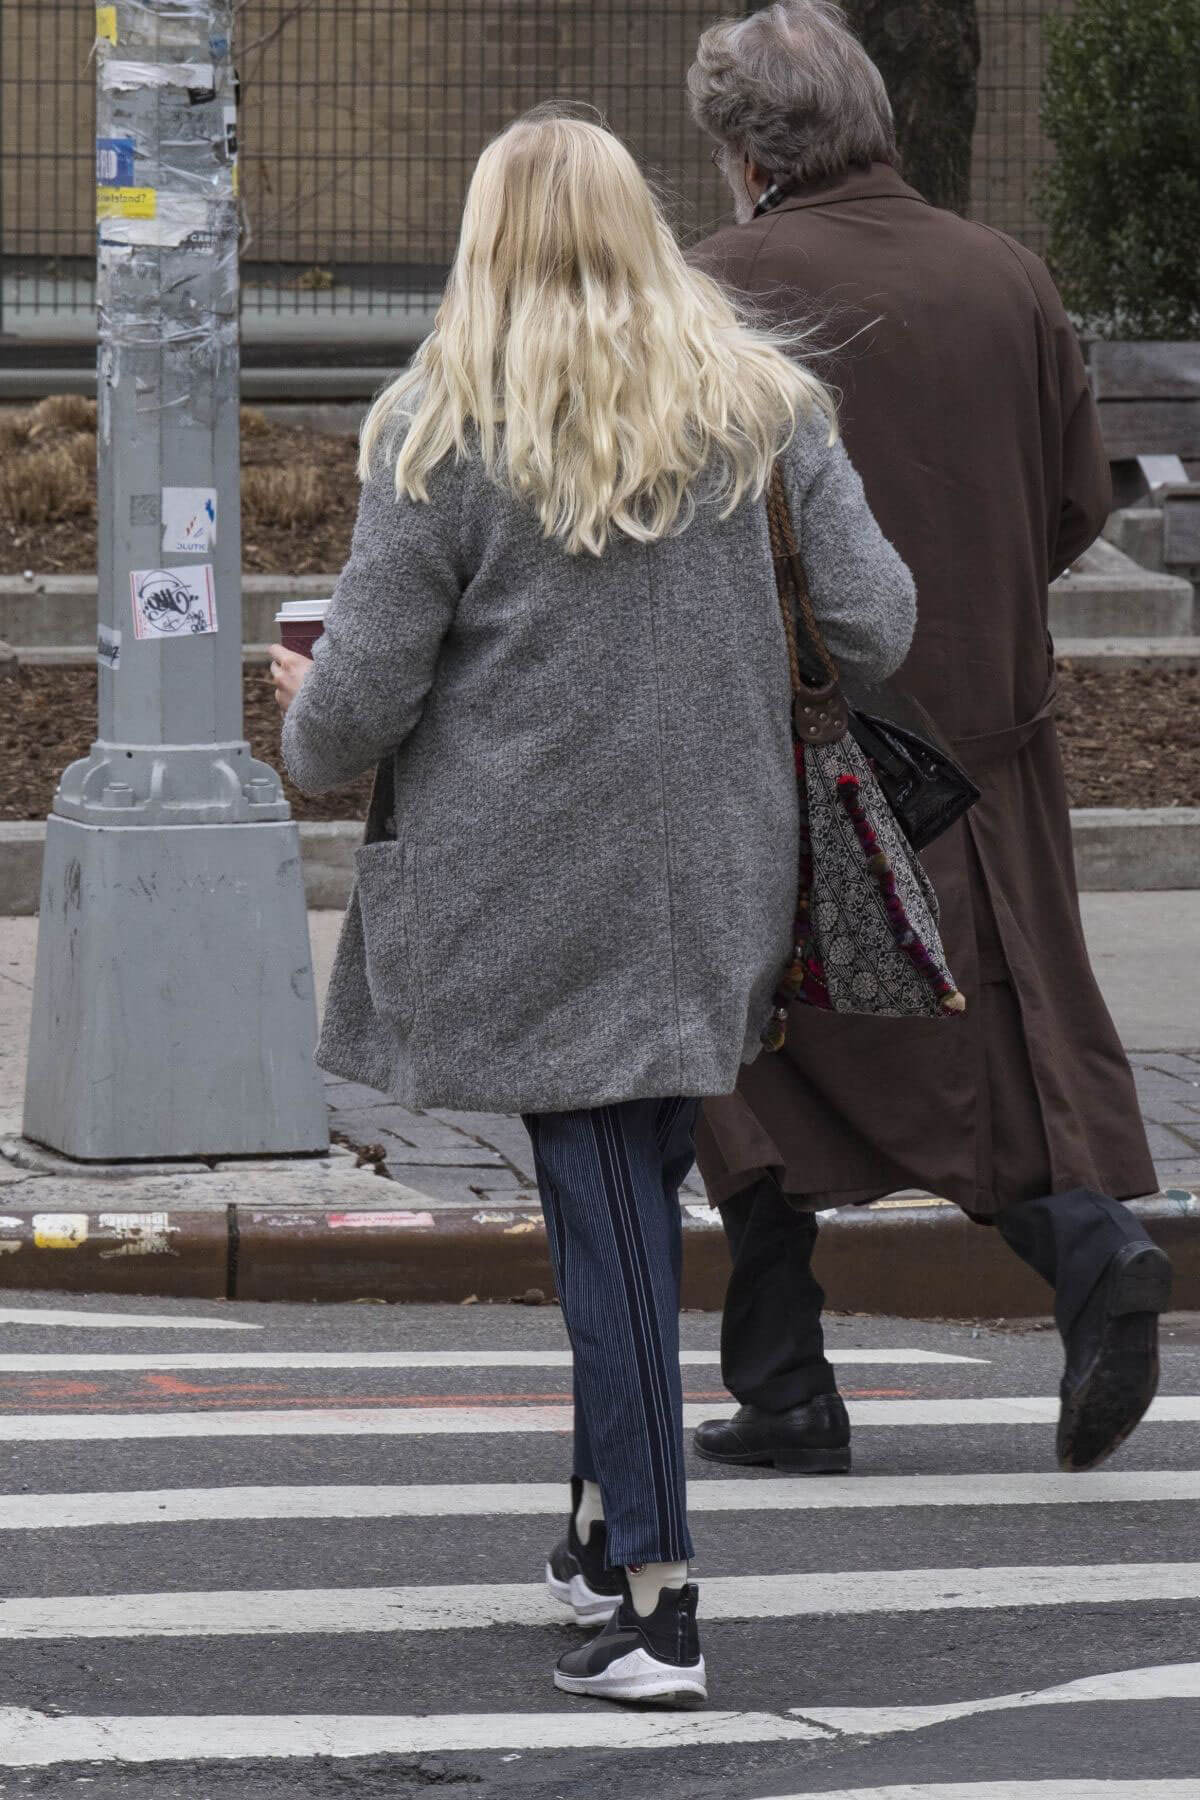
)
(173, 1013)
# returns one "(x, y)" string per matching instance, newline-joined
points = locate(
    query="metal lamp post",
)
(173, 1001)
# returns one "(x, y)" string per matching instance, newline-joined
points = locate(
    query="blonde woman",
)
(559, 622)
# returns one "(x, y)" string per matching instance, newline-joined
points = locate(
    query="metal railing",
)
(361, 120)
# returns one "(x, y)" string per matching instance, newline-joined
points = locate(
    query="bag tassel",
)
(849, 793)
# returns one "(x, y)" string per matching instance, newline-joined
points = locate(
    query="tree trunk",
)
(928, 54)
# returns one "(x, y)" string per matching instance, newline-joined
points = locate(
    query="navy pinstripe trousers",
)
(609, 1180)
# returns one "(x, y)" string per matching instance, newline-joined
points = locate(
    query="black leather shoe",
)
(1112, 1356)
(813, 1439)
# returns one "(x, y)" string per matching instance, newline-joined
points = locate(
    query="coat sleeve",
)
(394, 602)
(862, 593)
(1073, 444)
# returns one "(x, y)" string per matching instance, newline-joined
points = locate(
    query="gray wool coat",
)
(589, 895)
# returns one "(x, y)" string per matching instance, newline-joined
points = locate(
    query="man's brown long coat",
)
(966, 408)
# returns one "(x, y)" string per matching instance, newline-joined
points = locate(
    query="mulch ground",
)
(299, 492)
(1129, 739)
(49, 718)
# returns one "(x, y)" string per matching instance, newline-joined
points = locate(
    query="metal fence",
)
(361, 120)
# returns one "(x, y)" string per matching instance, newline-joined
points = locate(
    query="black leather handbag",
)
(923, 784)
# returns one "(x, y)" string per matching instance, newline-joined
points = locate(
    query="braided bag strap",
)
(795, 599)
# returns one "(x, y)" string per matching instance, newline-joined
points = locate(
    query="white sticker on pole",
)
(172, 603)
(189, 520)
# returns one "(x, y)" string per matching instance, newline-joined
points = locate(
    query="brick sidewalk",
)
(463, 1159)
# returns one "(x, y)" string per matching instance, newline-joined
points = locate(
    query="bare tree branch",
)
(267, 37)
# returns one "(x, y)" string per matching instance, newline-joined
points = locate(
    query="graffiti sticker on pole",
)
(189, 519)
(108, 647)
(172, 603)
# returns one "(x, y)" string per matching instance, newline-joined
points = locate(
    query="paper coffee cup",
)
(301, 623)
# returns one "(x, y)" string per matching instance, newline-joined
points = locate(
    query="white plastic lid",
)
(298, 611)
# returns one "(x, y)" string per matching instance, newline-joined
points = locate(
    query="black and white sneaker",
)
(655, 1659)
(576, 1574)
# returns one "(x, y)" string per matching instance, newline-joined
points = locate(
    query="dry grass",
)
(14, 432)
(285, 498)
(46, 486)
(48, 462)
(299, 491)
(61, 412)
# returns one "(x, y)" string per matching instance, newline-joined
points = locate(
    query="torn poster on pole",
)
(176, 602)
(124, 77)
(126, 203)
(172, 220)
(114, 161)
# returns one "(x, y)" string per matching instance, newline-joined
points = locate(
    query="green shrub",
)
(1121, 104)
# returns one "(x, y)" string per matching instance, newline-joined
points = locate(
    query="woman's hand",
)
(289, 673)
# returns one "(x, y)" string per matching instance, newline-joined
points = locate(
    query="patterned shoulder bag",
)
(866, 938)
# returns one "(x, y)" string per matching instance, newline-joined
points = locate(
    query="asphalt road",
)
(249, 1578)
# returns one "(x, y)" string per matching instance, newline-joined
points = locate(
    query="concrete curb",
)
(1109, 654)
(52, 611)
(295, 382)
(1128, 850)
(1117, 849)
(1105, 655)
(1105, 596)
(917, 1260)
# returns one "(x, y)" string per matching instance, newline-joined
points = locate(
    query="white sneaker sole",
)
(640, 1676)
(589, 1607)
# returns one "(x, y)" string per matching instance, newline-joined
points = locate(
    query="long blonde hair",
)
(579, 355)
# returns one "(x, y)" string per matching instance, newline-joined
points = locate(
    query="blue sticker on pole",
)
(114, 162)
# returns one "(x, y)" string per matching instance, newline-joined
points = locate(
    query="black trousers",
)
(772, 1346)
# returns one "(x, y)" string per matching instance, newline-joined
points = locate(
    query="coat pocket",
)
(384, 872)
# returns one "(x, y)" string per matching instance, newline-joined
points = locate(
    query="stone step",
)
(1117, 653)
(1105, 594)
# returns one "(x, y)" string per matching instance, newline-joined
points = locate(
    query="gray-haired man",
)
(966, 410)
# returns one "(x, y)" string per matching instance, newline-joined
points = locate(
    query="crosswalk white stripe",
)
(33, 1364)
(1167, 1681)
(33, 1740)
(443, 1500)
(119, 1321)
(452, 1420)
(1104, 1789)
(249, 1612)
